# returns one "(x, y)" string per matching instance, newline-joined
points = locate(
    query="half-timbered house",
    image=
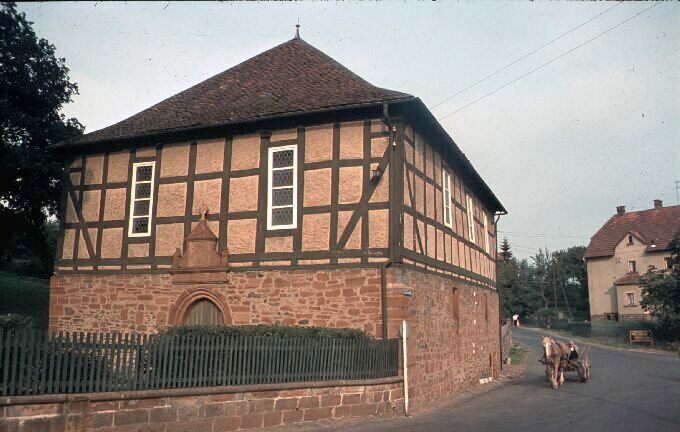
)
(284, 190)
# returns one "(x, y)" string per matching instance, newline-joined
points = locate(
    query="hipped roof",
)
(289, 80)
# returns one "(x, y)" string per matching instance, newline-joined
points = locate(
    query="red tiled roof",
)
(291, 78)
(655, 226)
(631, 278)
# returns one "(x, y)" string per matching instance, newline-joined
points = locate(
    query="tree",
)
(541, 275)
(514, 290)
(572, 278)
(661, 293)
(34, 86)
(506, 253)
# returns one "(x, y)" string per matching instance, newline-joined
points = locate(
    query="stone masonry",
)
(212, 411)
(453, 332)
(145, 302)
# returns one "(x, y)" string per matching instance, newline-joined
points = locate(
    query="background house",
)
(627, 245)
(285, 189)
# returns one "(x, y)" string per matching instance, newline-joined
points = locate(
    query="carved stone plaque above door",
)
(198, 261)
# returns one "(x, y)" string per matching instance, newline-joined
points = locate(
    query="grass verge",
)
(614, 342)
(517, 354)
(25, 295)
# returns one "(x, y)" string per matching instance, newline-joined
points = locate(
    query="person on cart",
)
(573, 352)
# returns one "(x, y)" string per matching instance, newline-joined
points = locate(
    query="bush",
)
(16, 322)
(266, 330)
(545, 313)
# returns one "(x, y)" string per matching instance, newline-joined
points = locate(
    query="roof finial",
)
(297, 29)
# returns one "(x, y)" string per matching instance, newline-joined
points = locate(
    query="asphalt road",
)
(627, 391)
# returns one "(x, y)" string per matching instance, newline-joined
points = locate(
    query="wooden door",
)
(203, 312)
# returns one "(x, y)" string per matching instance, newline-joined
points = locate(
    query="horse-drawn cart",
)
(580, 366)
(557, 354)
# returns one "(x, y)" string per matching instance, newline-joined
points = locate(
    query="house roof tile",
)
(630, 278)
(291, 78)
(656, 227)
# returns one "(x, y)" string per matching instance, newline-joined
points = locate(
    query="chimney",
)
(620, 210)
(658, 203)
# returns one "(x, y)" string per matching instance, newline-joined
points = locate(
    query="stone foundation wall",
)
(453, 332)
(215, 410)
(635, 317)
(146, 302)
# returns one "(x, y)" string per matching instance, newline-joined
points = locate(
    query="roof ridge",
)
(323, 56)
(655, 227)
(290, 78)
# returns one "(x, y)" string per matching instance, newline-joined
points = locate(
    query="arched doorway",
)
(203, 312)
(201, 306)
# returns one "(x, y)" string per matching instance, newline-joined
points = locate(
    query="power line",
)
(524, 56)
(548, 62)
(548, 235)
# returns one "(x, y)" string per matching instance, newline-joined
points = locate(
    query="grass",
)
(517, 354)
(619, 339)
(25, 295)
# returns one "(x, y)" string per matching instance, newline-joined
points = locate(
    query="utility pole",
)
(677, 191)
(554, 284)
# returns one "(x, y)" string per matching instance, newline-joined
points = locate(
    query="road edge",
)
(599, 345)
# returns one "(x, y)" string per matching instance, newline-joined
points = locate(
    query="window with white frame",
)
(630, 299)
(486, 233)
(282, 188)
(470, 217)
(446, 180)
(632, 266)
(141, 203)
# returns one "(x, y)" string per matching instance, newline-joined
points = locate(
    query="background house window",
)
(141, 203)
(447, 199)
(282, 188)
(630, 299)
(669, 262)
(470, 218)
(630, 239)
(632, 266)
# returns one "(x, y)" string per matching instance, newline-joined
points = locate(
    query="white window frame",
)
(446, 184)
(628, 296)
(270, 187)
(133, 199)
(486, 234)
(470, 218)
(632, 266)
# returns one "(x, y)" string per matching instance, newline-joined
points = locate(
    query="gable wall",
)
(602, 272)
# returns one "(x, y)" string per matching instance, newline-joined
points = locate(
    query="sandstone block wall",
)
(453, 331)
(214, 411)
(146, 302)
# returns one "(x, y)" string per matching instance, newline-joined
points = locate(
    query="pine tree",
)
(506, 253)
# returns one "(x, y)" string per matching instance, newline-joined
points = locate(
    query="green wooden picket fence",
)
(33, 363)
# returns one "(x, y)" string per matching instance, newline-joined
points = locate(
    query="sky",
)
(586, 123)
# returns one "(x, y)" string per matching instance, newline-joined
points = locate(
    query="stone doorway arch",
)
(184, 306)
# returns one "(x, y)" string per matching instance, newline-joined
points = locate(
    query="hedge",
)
(266, 330)
(16, 322)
